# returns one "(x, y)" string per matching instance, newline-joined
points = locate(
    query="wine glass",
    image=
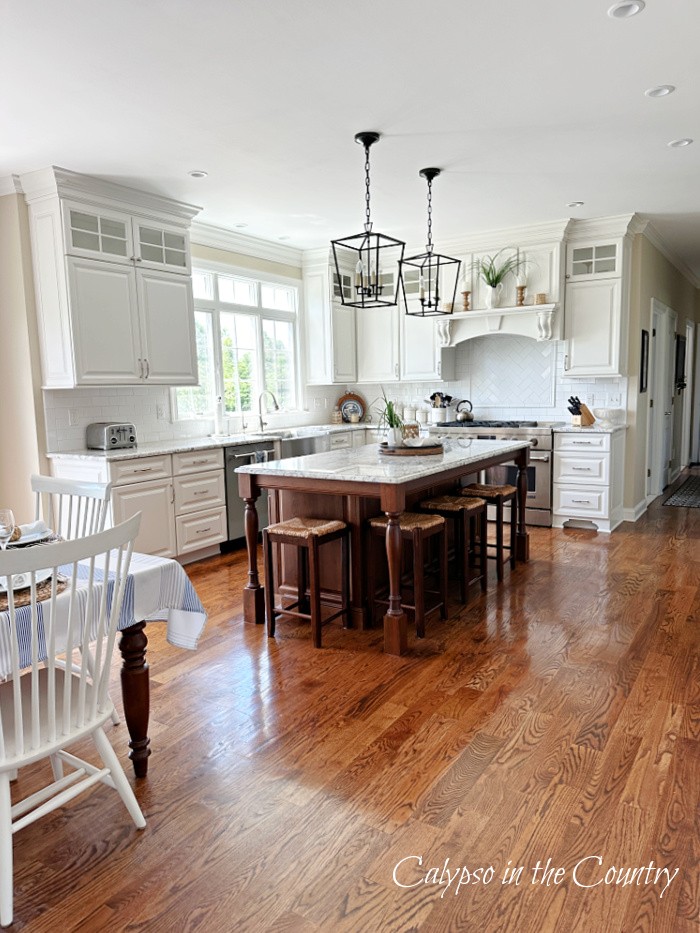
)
(7, 526)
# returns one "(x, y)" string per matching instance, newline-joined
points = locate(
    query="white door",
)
(167, 328)
(344, 358)
(97, 235)
(104, 320)
(377, 344)
(155, 502)
(660, 422)
(592, 312)
(159, 247)
(419, 348)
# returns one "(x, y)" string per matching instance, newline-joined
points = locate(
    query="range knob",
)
(533, 442)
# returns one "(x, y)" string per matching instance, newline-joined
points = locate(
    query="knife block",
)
(587, 418)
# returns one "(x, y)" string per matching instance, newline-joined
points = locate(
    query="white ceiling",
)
(525, 105)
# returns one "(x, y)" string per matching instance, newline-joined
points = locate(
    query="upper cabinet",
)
(113, 284)
(596, 302)
(329, 325)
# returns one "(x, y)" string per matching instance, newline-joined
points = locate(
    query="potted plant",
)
(492, 270)
(390, 421)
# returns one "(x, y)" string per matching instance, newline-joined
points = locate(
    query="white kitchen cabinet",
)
(377, 344)
(422, 357)
(588, 479)
(329, 326)
(200, 530)
(112, 282)
(154, 499)
(595, 308)
(593, 328)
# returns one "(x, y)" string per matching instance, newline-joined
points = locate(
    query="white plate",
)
(33, 538)
(21, 581)
(422, 442)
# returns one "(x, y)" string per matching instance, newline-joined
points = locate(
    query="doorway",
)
(660, 416)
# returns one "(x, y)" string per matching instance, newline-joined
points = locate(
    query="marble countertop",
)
(367, 465)
(186, 444)
(596, 428)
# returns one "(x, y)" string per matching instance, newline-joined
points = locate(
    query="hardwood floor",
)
(558, 718)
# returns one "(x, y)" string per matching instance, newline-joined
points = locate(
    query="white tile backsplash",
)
(69, 411)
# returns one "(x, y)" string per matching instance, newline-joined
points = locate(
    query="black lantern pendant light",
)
(372, 260)
(429, 280)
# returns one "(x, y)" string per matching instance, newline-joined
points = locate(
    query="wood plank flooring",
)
(557, 719)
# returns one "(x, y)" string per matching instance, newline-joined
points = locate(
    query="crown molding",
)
(656, 240)
(525, 235)
(55, 181)
(10, 184)
(616, 225)
(222, 238)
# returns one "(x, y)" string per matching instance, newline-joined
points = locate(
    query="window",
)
(246, 342)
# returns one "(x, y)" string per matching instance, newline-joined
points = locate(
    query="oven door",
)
(539, 485)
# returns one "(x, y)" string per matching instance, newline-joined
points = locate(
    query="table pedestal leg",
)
(522, 540)
(395, 622)
(136, 694)
(253, 594)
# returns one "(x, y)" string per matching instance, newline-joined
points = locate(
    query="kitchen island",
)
(355, 484)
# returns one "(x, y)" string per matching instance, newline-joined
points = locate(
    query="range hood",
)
(539, 322)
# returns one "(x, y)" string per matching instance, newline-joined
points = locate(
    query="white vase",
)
(394, 437)
(493, 296)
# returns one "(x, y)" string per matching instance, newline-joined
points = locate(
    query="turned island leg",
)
(522, 539)
(395, 622)
(136, 694)
(253, 593)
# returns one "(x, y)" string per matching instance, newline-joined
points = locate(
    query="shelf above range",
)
(540, 322)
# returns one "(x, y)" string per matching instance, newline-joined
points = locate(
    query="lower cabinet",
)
(154, 500)
(588, 475)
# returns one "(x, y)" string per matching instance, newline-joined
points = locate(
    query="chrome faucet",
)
(260, 401)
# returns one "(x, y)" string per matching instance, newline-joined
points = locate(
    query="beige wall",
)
(21, 403)
(653, 276)
(211, 254)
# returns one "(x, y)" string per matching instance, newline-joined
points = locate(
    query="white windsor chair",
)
(47, 705)
(71, 508)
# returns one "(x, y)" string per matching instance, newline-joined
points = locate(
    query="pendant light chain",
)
(368, 219)
(429, 246)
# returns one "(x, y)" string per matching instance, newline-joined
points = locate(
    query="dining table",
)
(157, 589)
(353, 485)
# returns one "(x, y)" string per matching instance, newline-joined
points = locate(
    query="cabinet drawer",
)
(581, 441)
(199, 491)
(581, 501)
(341, 440)
(142, 468)
(200, 530)
(197, 460)
(582, 468)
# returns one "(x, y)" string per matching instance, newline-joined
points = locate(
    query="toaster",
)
(101, 435)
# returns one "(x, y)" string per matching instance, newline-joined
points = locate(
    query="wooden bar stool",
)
(469, 516)
(418, 529)
(306, 534)
(499, 496)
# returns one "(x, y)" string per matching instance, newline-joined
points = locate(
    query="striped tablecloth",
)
(156, 589)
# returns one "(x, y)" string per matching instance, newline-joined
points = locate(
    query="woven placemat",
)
(23, 597)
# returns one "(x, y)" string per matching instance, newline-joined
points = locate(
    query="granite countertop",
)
(186, 444)
(367, 465)
(596, 428)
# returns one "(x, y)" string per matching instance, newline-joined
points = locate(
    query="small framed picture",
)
(644, 362)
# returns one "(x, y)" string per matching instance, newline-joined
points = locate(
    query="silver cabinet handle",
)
(544, 459)
(203, 492)
(581, 501)
(141, 469)
(582, 469)
(439, 368)
(140, 362)
(566, 362)
(582, 443)
(396, 369)
(148, 368)
(201, 460)
(202, 531)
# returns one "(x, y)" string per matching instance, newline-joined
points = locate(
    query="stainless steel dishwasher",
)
(301, 446)
(259, 452)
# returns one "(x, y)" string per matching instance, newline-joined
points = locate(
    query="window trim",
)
(214, 306)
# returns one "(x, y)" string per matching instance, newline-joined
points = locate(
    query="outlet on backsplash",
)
(160, 412)
(73, 417)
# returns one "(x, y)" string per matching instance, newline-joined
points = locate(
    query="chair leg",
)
(499, 539)
(462, 526)
(345, 584)
(109, 757)
(302, 580)
(513, 529)
(419, 582)
(443, 573)
(483, 553)
(5, 851)
(56, 767)
(315, 583)
(269, 584)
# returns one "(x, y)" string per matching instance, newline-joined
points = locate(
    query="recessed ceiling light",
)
(680, 143)
(661, 90)
(575, 204)
(282, 237)
(626, 8)
(197, 173)
(240, 226)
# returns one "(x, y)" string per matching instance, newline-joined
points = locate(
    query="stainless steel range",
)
(539, 474)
